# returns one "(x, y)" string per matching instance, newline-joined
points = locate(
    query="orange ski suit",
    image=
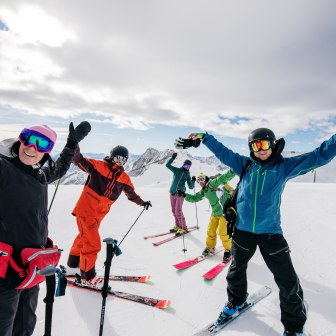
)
(104, 185)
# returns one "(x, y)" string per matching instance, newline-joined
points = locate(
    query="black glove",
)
(146, 204)
(193, 179)
(181, 193)
(181, 143)
(174, 155)
(79, 133)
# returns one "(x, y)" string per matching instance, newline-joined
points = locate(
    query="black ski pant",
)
(275, 251)
(17, 311)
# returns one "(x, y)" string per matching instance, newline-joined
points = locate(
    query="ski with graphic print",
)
(148, 301)
(128, 278)
(174, 237)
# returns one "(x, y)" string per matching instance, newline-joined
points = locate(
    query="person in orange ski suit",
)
(107, 179)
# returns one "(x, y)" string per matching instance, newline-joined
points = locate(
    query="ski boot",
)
(227, 256)
(208, 251)
(174, 229)
(181, 232)
(292, 333)
(69, 271)
(229, 311)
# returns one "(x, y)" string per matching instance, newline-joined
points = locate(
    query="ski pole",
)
(49, 273)
(109, 255)
(197, 227)
(131, 227)
(52, 201)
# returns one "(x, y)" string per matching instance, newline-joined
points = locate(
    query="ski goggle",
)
(200, 179)
(119, 159)
(39, 141)
(186, 166)
(259, 145)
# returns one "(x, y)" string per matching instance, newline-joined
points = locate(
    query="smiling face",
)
(28, 155)
(263, 154)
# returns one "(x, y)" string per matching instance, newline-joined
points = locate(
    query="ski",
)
(165, 233)
(128, 278)
(250, 302)
(173, 237)
(185, 264)
(157, 303)
(216, 270)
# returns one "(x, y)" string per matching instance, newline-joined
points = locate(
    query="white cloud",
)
(226, 67)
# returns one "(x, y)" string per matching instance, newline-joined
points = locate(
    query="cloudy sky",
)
(145, 72)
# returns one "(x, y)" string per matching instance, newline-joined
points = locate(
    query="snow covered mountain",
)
(138, 165)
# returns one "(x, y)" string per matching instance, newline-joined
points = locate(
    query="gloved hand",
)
(181, 143)
(174, 155)
(193, 179)
(77, 134)
(181, 193)
(146, 204)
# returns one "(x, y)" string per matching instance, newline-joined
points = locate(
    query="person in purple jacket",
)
(258, 217)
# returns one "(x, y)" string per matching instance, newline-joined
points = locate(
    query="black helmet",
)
(261, 134)
(119, 150)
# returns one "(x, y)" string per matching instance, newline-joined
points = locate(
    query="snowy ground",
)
(308, 221)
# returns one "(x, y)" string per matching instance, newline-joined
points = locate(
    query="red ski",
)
(165, 233)
(157, 303)
(173, 237)
(216, 270)
(185, 264)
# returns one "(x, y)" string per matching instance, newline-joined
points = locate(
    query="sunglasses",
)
(39, 141)
(200, 179)
(259, 145)
(186, 166)
(119, 159)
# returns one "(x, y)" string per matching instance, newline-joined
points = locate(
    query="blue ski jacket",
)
(259, 194)
(181, 176)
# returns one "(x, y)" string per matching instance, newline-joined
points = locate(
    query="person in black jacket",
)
(26, 169)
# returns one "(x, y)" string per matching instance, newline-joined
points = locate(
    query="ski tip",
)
(144, 278)
(162, 304)
(177, 266)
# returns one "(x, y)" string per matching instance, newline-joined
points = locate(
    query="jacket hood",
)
(6, 146)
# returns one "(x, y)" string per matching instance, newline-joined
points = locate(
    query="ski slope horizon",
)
(308, 215)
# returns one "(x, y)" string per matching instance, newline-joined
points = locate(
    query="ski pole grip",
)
(109, 241)
(47, 271)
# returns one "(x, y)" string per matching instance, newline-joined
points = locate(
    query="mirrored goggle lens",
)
(119, 159)
(186, 166)
(200, 179)
(36, 139)
(261, 145)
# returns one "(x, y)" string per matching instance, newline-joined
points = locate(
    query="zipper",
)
(276, 252)
(262, 186)
(41, 252)
(31, 278)
(179, 181)
(93, 196)
(255, 201)
(251, 182)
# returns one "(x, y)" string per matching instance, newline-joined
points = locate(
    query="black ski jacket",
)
(24, 198)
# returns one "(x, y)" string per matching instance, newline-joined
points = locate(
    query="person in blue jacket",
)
(258, 216)
(181, 177)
